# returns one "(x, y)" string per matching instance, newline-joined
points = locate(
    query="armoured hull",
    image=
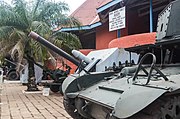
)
(149, 89)
(122, 97)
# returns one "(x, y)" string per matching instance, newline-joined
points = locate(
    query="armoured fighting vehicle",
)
(148, 89)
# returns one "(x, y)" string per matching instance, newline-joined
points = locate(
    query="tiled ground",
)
(19, 105)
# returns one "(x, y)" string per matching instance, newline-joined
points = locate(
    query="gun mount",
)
(94, 61)
(57, 75)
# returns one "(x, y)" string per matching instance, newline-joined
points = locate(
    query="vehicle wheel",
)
(54, 88)
(166, 108)
(13, 75)
(71, 109)
(60, 89)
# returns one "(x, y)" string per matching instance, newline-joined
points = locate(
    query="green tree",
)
(41, 16)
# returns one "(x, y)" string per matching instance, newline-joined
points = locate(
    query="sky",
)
(73, 4)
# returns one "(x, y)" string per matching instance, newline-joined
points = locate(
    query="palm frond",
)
(4, 4)
(11, 34)
(20, 9)
(50, 12)
(5, 48)
(66, 21)
(16, 21)
(66, 41)
(40, 53)
(9, 18)
(17, 53)
(41, 28)
(18, 49)
(5, 32)
(51, 9)
(36, 6)
(21, 35)
(11, 39)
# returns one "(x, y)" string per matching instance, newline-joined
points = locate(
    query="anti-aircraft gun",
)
(148, 90)
(95, 61)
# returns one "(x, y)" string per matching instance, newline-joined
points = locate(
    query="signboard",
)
(117, 19)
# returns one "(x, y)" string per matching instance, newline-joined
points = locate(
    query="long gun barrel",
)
(53, 48)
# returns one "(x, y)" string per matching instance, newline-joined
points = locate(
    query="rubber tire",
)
(60, 90)
(54, 88)
(13, 75)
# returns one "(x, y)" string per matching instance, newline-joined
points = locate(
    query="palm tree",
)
(41, 16)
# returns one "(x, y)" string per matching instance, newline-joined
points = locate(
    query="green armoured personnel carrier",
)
(149, 89)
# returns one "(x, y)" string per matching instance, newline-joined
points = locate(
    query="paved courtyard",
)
(15, 104)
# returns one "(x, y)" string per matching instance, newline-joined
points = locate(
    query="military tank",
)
(149, 89)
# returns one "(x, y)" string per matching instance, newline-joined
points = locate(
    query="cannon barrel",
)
(53, 48)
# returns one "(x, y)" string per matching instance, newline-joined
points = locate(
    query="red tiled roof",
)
(133, 40)
(87, 12)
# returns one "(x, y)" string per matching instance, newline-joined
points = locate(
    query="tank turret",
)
(168, 25)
